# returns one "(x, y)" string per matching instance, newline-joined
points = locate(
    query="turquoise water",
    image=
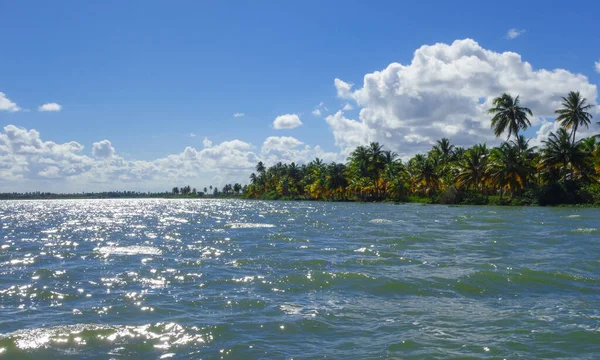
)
(212, 279)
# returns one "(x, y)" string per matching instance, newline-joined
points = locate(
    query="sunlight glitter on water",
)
(189, 278)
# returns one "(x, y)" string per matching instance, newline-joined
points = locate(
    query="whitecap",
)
(291, 309)
(129, 250)
(380, 221)
(248, 225)
(587, 230)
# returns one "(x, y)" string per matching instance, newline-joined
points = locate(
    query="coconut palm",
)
(472, 167)
(559, 153)
(574, 112)
(508, 114)
(510, 167)
(445, 149)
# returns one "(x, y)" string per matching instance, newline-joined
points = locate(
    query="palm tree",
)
(561, 154)
(472, 167)
(509, 115)
(260, 168)
(510, 167)
(445, 149)
(574, 112)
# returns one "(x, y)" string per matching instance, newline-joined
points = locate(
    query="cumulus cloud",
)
(238, 114)
(597, 66)
(289, 149)
(316, 112)
(207, 143)
(445, 92)
(23, 155)
(514, 33)
(287, 121)
(7, 105)
(50, 107)
(103, 149)
(344, 89)
(192, 134)
(347, 107)
(28, 163)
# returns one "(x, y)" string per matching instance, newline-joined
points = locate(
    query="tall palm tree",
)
(260, 168)
(508, 114)
(574, 112)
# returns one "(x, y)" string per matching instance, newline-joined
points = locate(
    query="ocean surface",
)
(234, 279)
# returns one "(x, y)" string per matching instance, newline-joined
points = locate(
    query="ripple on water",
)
(211, 278)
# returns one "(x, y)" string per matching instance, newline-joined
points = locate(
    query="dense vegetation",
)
(562, 171)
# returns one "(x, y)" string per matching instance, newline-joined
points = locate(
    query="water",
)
(212, 279)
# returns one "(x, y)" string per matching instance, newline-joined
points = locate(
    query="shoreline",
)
(421, 201)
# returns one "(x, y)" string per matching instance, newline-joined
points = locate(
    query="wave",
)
(587, 230)
(380, 221)
(129, 250)
(82, 334)
(248, 226)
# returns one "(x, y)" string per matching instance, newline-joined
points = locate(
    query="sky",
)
(147, 95)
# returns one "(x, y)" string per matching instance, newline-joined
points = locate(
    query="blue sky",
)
(146, 74)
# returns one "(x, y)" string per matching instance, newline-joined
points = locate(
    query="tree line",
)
(561, 171)
(227, 190)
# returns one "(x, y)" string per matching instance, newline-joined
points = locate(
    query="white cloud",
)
(514, 33)
(347, 133)
(445, 92)
(50, 107)
(287, 121)
(192, 134)
(288, 149)
(7, 105)
(318, 111)
(347, 107)
(103, 149)
(597, 66)
(28, 163)
(344, 89)
(280, 142)
(207, 143)
(238, 114)
(24, 156)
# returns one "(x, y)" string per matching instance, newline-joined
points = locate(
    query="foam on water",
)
(249, 226)
(380, 221)
(587, 230)
(129, 250)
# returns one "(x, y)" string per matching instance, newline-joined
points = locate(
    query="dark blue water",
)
(210, 279)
